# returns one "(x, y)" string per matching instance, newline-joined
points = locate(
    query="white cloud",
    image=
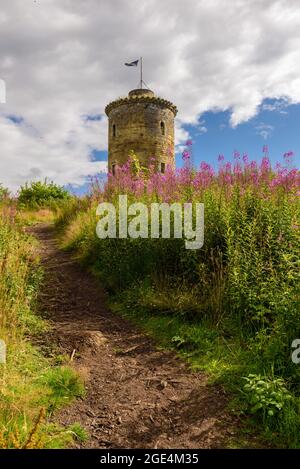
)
(278, 105)
(63, 60)
(181, 134)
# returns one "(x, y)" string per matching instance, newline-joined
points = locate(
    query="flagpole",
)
(141, 83)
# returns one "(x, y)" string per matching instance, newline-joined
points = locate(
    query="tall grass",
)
(241, 289)
(31, 386)
(20, 273)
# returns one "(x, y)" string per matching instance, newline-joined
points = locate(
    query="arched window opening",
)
(114, 130)
(162, 167)
(113, 169)
(162, 128)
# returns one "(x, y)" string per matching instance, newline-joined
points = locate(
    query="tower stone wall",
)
(144, 124)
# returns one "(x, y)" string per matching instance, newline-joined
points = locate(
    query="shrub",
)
(265, 395)
(41, 194)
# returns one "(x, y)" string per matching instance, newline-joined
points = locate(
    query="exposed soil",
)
(137, 396)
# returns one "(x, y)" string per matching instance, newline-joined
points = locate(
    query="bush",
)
(41, 194)
(266, 396)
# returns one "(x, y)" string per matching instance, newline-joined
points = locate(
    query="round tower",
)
(142, 123)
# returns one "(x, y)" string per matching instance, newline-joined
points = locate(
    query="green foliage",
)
(266, 396)
(42, 194)
(78, 432)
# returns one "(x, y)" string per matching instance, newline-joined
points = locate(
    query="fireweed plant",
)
(231, 307)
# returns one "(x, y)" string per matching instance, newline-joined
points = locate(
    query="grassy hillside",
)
(231, 307)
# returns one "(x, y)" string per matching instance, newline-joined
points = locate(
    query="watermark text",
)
(138, 220)
(2, 92)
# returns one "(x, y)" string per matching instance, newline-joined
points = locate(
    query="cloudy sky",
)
(232, 67)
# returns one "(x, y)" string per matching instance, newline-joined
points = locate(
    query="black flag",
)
(132, 64)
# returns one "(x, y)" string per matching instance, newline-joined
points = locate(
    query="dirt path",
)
(137, 396)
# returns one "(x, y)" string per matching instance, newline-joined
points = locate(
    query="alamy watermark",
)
(2, 352)
(139, 220)
(296, 352)
(2, 92)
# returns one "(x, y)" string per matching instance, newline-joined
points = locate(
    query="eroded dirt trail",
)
(137, 396)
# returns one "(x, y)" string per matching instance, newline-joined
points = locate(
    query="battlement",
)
(141, 95)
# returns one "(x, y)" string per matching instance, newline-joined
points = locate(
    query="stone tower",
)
(142, 123)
